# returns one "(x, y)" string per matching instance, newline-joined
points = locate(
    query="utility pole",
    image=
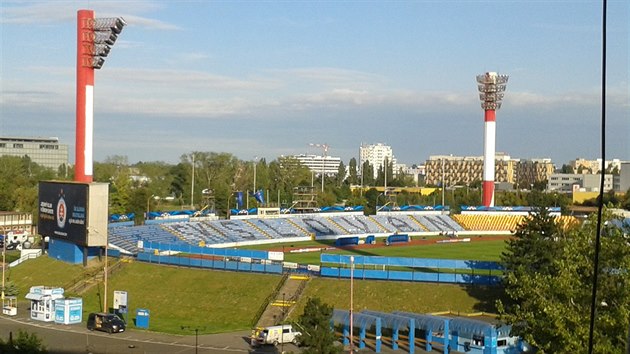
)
(325, 148)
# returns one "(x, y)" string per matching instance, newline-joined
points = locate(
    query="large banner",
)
(74, 212)
(63, 211)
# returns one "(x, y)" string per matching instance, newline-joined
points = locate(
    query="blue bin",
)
(142, 318)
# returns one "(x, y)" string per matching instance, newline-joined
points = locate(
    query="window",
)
(18, 146)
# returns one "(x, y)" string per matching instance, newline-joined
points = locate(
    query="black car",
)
(106, 322)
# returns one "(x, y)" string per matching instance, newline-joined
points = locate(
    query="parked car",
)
(106, 322)
(277, 335)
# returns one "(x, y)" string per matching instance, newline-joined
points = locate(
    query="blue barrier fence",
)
(341, 269)
(214, 263)
(206, 257)
(222, 252)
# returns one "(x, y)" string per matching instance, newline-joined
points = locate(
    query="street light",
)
(196, 329)
(351, 299)
(149, 205)
(283, 315)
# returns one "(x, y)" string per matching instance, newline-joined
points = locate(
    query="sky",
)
(261, 79)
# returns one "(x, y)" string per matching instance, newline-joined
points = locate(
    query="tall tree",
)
(353, 174)
(548, 280)
(317, 336)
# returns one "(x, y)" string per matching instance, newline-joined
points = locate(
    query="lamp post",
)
(255, 163)
(196, 329)
(149, 205)
(4, 251)
(192, 184)
(351, 304)
(283, 314)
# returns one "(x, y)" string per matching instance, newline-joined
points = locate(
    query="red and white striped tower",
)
(491, 87)
(85, 96)
(95, 36)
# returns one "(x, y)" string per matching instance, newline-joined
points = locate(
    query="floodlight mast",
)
(95, 36)
(491, 90)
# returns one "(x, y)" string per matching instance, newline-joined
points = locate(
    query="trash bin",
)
(142, 318)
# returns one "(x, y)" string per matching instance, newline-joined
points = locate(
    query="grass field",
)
(220, 301)
(475, 250)
(387, 296)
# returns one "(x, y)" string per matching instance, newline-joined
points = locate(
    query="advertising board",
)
(73, 212)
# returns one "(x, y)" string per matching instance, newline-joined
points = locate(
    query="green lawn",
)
(221, 301)
(213, 301)
(390, 296)
(474, 250)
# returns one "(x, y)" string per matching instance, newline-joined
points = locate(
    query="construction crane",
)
(324, 147)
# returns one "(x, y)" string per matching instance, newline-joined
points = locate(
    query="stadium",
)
(346, 243)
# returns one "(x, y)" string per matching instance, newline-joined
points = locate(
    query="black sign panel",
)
(63, 211)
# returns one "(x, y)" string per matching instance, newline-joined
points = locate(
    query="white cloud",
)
(48, 12)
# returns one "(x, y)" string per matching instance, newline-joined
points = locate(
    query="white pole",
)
(442, 181)
(192, 186)
(351, 299)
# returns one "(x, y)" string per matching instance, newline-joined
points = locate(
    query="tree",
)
(353, 174)
(25, 343)
(548, 279)
(317, 336)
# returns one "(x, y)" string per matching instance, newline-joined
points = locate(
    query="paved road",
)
(71, 339)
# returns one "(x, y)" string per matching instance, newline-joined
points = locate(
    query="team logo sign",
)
(62, 212)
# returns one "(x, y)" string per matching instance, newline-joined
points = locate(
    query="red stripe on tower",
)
(491, 88)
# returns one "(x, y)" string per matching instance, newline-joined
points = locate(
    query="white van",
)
(278, 334)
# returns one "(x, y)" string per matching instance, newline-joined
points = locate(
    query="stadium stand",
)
(356, 224)
(438, 223)
(316, 225)
(484, 222)
(126, 238)
(400, 223)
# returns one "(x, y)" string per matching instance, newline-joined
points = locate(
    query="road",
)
(75, 339)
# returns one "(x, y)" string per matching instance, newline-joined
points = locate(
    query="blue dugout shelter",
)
(396, 322)
(360, 320)
(431, 326)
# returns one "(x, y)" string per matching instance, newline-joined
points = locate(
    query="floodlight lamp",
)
(487, 88)
(114, 24)
(101, 50)
(97, 62)
(105, 38)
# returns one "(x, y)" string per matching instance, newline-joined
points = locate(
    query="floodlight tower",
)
(95, 37)
(491, 88)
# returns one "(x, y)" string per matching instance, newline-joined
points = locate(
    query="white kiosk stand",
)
(9, 306)
(43, 302)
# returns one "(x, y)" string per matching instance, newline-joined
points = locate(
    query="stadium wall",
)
(338, 266)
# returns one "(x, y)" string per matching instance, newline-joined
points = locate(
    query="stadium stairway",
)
(300, 228)
(341, 228)
(380, 226)
(88, 280)
(416, 221)
(283, 303)
(255, 227)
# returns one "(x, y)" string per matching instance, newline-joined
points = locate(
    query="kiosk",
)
(69, 311)
(9, 306)
(43, 302)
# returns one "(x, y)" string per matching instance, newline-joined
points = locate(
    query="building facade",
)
(531, 171)
(329, 165)
(47, 152)
(464, 170)
(584, 182)
(376, 155)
